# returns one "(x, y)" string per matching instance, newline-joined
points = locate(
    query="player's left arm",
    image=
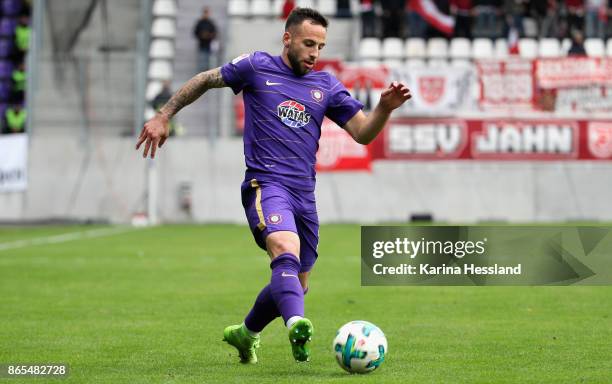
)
(364, 128)
(156, 130)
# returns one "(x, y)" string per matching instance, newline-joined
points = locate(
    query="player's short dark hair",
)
(298, 15)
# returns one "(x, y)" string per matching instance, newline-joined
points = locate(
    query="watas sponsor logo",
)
(293, 114)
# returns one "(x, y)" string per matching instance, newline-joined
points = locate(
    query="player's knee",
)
(282, 245)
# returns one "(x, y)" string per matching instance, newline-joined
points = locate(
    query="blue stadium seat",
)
(5, 90)
(12, 7)
(6, 48)
(6, 69)
(7, 26)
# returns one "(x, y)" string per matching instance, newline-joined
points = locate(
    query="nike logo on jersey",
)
(284, 274)
(268, 82)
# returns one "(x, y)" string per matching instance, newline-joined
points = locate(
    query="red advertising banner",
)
(506, 83)
(573, 72)
(339, 152)
(436, 91)
(578, 84)
(494, 139)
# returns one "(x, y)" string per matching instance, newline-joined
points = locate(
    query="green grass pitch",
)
(150, 305)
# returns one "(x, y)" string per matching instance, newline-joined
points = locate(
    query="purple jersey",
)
(283, 116)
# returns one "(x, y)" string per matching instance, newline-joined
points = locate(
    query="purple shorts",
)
(272, 207)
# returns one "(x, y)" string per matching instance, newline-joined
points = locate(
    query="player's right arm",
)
(156, 130)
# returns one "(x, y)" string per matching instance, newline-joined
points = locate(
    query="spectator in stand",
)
(160, 100)
(575, 14)
(595, 14)
(22, 36)
(343, 9)
(550, 26)
(205, 31)
(462, 11)
(415, 24)
(368, 18)
(577, 47)
(18, 86)
(537, 10)
(562, 29)
(287, 8)
(26, 7)
(514, 11)
(443, 7)
(163, 96)
(392, 17)
(16, 119)
(487, 12)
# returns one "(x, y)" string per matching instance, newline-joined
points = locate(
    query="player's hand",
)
(394, 96)
(153, 134)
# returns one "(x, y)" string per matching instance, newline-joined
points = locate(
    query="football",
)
(360, 347)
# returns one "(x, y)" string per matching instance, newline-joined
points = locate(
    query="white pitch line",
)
(65, 237)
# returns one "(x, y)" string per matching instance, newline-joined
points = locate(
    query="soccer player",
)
(285, 102)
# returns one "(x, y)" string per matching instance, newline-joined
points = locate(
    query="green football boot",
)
(237, 336)
(300, 336)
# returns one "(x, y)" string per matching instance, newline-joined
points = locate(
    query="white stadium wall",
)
(114, 183)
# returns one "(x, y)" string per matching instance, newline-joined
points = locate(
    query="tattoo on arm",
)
(192, 90)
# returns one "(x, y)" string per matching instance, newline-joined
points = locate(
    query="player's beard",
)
(296, 65)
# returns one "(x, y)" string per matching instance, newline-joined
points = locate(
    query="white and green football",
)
(360, 347)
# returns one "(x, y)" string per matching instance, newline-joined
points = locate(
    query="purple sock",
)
(285, 286)
(263, 311)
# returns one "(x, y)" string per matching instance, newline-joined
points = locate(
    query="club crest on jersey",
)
(293, 114)
(317, 95)
(275, 218)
